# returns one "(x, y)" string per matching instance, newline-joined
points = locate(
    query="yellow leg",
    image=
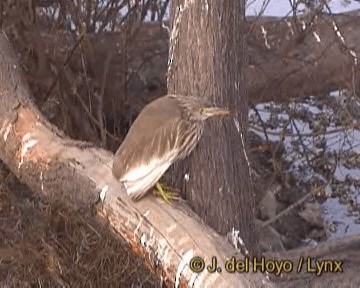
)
(165, 192)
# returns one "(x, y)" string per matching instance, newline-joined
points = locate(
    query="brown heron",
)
(166, 130)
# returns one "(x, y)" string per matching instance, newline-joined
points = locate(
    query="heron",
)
(165, 131)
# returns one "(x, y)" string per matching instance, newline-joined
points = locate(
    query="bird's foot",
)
(165, 192)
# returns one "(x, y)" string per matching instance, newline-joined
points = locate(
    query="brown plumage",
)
(166, 130)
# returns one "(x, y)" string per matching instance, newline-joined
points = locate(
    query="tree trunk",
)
(206, 59)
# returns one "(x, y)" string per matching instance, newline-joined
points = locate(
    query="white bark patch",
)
(103, 193)
(143, 240)
(235, 237)
(245, 154)
(236, 84)
(26, 144)
(206, 6)
(185, 260)
(6, 128)
(236, 240)
(163, 255)
(7, 131)
(137, 229)
(237, 125)
(167, 28)
(264, 33)
(187, 177)
(338, 33)
(199, 279)
(342, 39)
(221, 189)
(288, 23)
(41, 180)
(152, 241)
(303, 25)
(192, 279)
(151, 234)
(353, 54)
(317, 37)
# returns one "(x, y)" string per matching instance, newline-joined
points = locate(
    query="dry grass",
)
(50, 246)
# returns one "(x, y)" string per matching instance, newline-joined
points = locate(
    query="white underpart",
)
(141, 178)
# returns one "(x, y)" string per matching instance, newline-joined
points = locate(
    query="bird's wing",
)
(141, 170)
(146, 147)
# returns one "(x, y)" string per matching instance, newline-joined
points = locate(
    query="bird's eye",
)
(201, 110)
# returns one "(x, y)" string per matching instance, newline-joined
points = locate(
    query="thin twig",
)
(290, 208)
(312, 134)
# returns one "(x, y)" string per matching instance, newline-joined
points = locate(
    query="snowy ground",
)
(336, 149)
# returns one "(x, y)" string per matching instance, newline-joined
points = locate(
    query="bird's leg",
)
(166, 192)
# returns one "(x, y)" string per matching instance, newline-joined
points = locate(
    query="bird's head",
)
(199, 109)
(206, 112)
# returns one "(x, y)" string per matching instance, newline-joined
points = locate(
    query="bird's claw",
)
(166, 193)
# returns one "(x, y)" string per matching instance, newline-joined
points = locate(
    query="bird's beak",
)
(215, 111)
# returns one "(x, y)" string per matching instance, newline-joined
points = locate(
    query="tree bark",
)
(63, 170)
(206, 57)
